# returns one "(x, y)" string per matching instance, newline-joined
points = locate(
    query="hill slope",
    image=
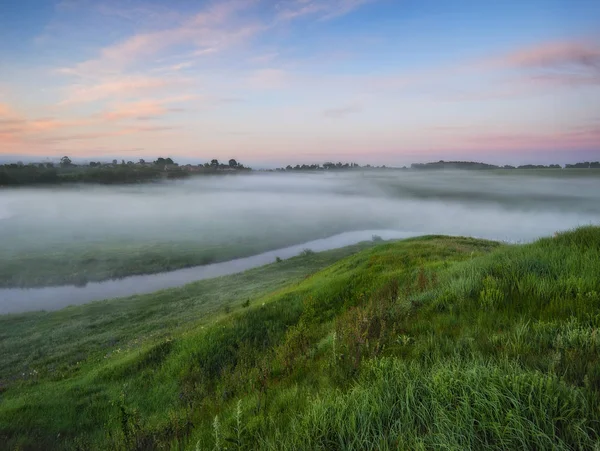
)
(426, 343)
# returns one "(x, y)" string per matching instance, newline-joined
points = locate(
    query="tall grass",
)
(456, 404)
(429, 343)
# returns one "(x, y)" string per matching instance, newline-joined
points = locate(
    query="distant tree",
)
(114, 162)
(169, 161)
(41, 165)
(214, 163)
(130, 163)
(65, 162)
(233, 163)
(288, 168)
(93, 164)
(142, 161)
(49, 165)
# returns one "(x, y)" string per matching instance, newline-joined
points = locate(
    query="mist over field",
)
(225, 211)
(84, 233)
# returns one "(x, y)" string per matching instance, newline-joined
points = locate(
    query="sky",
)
(277, 82)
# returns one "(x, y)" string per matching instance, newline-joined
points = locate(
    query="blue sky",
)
(273, 82)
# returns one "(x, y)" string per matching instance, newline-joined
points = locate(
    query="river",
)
(17, 300)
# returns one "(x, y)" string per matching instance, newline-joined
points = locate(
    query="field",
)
(82, 233)
(428, 343)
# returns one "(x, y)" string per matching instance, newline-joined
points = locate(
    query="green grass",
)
(428, 343)
(80, 263)
(53, 343)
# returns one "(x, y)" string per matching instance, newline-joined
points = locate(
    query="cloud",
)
(104, 134)
(123, 86)
(6, 110)
(145, 109)
(569, 138)
(567, 54)
(213, 28)
(554, 64)
(321, 9)
(264, 58)
(341, 112)
(268, 78)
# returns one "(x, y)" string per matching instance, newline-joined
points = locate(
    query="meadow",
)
(82, 233)
(427, 343)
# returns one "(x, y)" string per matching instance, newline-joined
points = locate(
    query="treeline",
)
(16, 174)
(11, 175)
(471, 165)
(585, 165)
(328, 166)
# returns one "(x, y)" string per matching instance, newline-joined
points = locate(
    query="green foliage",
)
(447, 405)
(427, 343)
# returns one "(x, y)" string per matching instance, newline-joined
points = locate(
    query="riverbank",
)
(81, 234)
(430, 342)
(16, 300)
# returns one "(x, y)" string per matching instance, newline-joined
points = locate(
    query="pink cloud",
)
(145, 109)
(572, 138)
(554, 64)
(557, 54)
(6, 110)
(135, 110)
(104, 134)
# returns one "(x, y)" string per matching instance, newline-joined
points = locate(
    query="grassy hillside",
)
(429, 343)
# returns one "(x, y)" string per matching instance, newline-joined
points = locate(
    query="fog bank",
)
(277, 210)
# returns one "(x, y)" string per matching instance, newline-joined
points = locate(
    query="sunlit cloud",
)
(145, 109)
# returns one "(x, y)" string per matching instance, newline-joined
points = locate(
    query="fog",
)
(273, 210)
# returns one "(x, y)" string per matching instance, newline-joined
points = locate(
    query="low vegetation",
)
(115, 173)
(427, 343)
(79, 263)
